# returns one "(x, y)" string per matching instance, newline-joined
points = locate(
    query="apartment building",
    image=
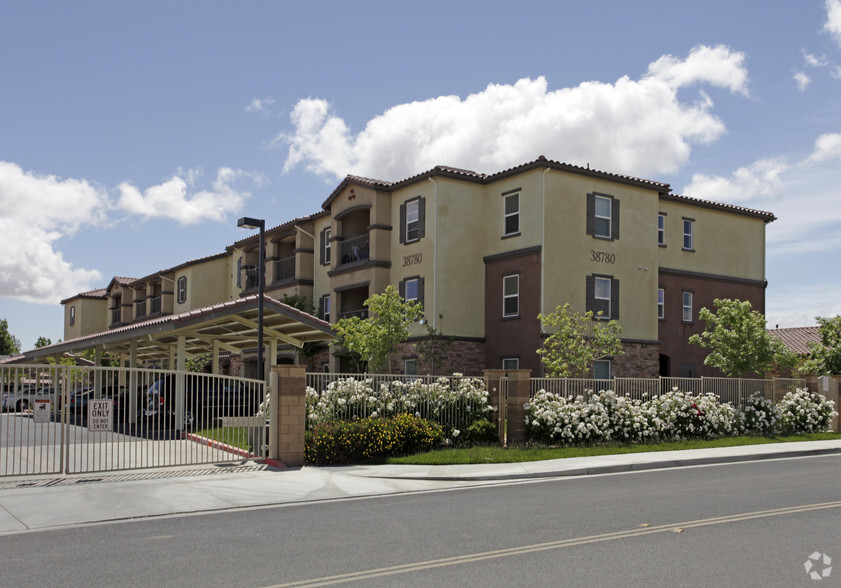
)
(484, 254)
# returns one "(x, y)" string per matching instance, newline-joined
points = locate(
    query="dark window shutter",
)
(614, 299)
(420, 290)
(591, 214)
(421, 218)
(403, 223)
(614, 218)
(323, 243)
(321, 300)
(401, 289)
(591, 294)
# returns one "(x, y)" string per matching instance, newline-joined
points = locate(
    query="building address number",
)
(412, 259)
(602, 257)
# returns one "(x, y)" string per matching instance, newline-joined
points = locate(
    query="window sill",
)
(603, 238)
(512, 317)
(509, 235)
(662, 245)
(688, 250)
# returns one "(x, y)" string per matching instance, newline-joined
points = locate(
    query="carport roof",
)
(233, 324)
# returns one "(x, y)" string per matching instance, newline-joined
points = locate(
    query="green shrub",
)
(481, 432)
(369, 439)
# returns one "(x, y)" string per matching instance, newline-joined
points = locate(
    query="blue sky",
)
(132, 136)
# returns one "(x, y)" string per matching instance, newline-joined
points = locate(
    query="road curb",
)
(614, 468)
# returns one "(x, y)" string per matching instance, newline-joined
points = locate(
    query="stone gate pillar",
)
(290, 413)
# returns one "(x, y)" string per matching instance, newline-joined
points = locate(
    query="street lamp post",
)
(258, 223)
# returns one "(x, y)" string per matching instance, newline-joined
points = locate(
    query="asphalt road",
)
(745, 524)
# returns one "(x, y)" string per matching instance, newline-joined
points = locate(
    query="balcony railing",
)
(285, 268)
(361, 313)
(116, 316)
(355, 249)
(140, 309)
(155, 304)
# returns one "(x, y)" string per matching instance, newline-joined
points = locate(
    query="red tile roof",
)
(797, 338)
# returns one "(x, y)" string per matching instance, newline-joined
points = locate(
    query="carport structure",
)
(227, 326)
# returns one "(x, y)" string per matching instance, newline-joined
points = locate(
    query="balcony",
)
(155, 304)
(116, 316)
(285, 269)
(139, 309)
(354, 250)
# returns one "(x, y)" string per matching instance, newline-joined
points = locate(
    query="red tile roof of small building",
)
(797, 338)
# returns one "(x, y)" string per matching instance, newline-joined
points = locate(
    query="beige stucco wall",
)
(724, 244)
(206, 284)
(91, 317)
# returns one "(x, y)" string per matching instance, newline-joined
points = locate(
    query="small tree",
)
(739, 340)
(43, 342)
(578, 340)
(9, 344)
(433, 349)
(375, 338)
(825, 357)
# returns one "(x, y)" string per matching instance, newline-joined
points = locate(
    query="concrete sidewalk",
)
(33, 503)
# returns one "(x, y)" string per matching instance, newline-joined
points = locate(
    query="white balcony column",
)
(216, 349)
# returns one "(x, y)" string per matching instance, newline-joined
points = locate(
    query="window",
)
(687, 307)
(510, 363)
(411, 289)
(511, 295)
(412, 220)
(239, 272)
(326, 246)
(602, 216)
(601, 369)
(410, 366)
(603, 295)
(324, 308)
(661, 229)
(512, 214)
(661, 303)
(182, 289)
(688, 243)
(72, 316)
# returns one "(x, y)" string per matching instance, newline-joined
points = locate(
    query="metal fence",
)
(733, 390)
(89, 419)
(454, 402)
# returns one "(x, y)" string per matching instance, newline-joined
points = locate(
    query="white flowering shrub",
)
(605, 416)
(802, 411)
(453, 402)
(760, 415)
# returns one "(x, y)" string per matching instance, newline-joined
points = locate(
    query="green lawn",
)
(520, 454)
(234, 436)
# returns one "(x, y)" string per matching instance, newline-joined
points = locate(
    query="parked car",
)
(205, 400)
(78, 403)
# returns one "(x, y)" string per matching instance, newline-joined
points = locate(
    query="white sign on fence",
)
(101, 415)
(41, 410)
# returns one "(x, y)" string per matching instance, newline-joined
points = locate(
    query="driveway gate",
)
(69, 419)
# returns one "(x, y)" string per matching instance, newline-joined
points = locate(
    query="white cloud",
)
(802, 80)
(259, 105)
(37, 211)
(833, 19)
(761, 179)
(630, 126)
(170, 199)
(827, 148)
(814, 60)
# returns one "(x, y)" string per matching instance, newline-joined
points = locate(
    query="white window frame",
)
(510, 363)
(413, 220)
(515, 197)
(598, 217)
(410, 361)
(602, 362)
(515, 296)
(597, 298)
(406, 283)
(687, 307)
(328, 246)
(181, 286)
(661, 303)
(72, 316)
(688, 234)
(661, 229)
(325, 308)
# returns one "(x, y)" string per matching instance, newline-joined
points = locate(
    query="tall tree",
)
(9, 344)
(375, 338)
(576, 342)
(825, 357)
(739, 340)
(43, 342)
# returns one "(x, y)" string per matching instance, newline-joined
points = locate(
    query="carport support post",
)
(494, 382)
(290, 411)
(132, 383)
(181, 359)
